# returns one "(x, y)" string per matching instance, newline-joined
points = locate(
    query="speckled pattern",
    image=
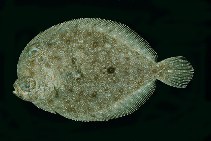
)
(93, 70)
(176, 27)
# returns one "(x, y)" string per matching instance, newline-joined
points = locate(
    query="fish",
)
(92, 69)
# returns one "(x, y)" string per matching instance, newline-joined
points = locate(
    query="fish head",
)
(25, 88)
(34, 76)
(25, 85)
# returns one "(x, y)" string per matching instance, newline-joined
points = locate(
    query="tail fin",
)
(175, 71)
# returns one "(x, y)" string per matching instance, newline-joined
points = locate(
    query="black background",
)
(172, 27)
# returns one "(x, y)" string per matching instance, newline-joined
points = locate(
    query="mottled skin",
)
(80, 72)
(93, 70)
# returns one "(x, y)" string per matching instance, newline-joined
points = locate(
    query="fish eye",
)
(27, 84)
(33, 52)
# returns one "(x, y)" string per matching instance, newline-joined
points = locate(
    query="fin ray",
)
(175, 71)
(131, 103)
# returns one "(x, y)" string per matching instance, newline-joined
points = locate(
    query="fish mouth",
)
(16, 88)
(14, 92)
(19, 92)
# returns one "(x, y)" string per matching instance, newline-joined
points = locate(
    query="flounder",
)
(92, 69)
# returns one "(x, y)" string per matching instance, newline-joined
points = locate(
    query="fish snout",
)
(23, 87)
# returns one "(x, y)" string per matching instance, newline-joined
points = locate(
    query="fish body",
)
(93, 70)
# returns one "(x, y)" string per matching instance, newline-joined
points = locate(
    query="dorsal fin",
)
(116, 30)
(124, 33)
(134, 40)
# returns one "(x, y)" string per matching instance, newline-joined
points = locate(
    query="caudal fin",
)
(175, 71)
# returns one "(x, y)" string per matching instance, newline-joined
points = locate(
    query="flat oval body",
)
(87, 70)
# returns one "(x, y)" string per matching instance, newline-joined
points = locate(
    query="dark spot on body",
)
(71, 109)
(40, 59)
(68, 41)
(95, 44)
(96, 77)
(32, 63)
(92, 115)
(73, 60)
(65, 38)
(127, 58)
(50, 44)
(78, 79)
(94, 94)
(155, 70)
(110, 70)
(56, 58)
(50, 101)
(117, 98)
(47, 65)
(121, 90)
(80, 96)
(70, 89)
(56, 93)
